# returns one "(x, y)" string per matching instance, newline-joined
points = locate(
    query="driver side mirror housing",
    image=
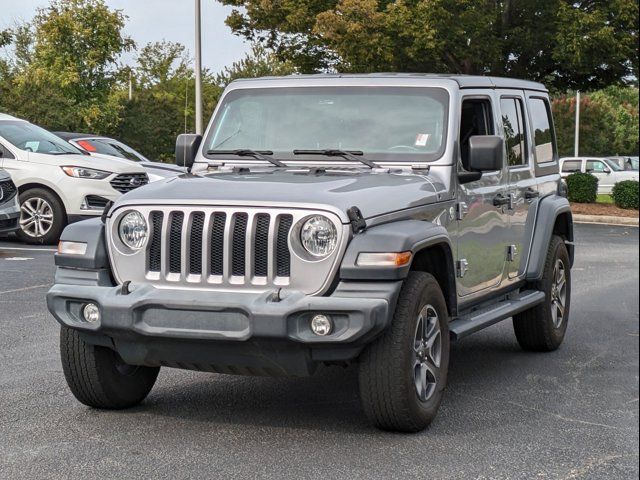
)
(187, 146)
(486, 154)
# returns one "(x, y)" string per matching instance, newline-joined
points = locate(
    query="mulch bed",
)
(602, 209)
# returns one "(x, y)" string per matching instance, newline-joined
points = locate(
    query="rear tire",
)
(42, 217)
(542, 328)
(403, 374)
(99, 378)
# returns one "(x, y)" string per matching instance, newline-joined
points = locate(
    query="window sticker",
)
(422, 139)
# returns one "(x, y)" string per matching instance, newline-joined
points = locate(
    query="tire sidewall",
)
(59, 217)
(557, 251)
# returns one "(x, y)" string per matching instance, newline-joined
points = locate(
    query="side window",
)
(595, 166)
(5, 153)
(514, 134)
(571, 166)
(476, 119)
(543, 138)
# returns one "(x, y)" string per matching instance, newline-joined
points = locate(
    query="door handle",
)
(530, 193)
(500, 200)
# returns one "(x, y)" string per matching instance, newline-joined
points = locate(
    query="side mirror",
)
(607, 170)
(187, 146)
(486, 153)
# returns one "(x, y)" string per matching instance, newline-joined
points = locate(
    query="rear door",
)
(522, 185)
(600, 169)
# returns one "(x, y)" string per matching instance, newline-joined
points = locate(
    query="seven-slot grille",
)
(219, 247)
(7, 190)
(125, 182)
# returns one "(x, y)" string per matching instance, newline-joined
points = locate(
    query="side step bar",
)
(477, 320)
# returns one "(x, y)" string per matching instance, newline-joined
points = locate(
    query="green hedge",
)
(625, 194)
(583, 187)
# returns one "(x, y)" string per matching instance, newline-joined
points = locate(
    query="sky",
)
(155, 20)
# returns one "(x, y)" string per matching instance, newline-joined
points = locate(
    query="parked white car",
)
(58, 183)
(608, 172)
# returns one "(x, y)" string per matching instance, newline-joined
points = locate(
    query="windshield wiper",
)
(354, 155)
(245, 152)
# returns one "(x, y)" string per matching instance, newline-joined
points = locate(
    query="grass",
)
(606, 199)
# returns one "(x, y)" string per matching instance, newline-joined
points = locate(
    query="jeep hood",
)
(373, 193)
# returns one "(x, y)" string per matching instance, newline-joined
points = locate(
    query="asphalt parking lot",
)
(507, 414)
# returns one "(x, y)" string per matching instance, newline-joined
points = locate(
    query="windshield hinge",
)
(358, 223)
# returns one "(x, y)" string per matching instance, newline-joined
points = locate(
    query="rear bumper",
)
(228, 332)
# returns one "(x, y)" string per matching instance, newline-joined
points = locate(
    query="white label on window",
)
(422, 139)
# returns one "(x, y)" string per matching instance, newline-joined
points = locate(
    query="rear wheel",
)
(42, 217)
(403, 374)
(542, 328)
(99, 378)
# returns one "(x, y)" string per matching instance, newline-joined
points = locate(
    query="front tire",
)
(542, 328)
(42, 217)
(99, 378)
(403, 374)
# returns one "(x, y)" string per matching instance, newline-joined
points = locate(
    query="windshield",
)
(107, 146)
(384, 123)
(32, 138)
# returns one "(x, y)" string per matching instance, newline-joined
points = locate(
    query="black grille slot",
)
(175, 242)
(238, 260)
(195, 243)
(261, 246)
(155, 247)
(126, 182)
(283, 257)
(217, 243)
(7, 191)
(95, 202)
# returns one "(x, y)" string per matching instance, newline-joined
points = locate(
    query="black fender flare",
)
(550, 210)
(401, 236)
(92, 233)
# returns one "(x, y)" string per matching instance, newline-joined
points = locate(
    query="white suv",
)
(608, 172)
(58, 183)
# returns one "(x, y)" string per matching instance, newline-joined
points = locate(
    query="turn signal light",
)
(384, 259)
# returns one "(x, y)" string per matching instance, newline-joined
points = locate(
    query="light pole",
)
(576, 145)
(198, 72)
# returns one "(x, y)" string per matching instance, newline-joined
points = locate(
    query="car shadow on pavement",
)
(328, 400)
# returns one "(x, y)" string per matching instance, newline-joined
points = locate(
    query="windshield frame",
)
(401, 158)
(70, 148)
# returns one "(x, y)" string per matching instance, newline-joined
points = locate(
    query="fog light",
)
(91, 313)
(321, 325)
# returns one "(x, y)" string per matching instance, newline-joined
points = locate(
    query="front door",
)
(483, 221)
(606, 178)
(521, 178)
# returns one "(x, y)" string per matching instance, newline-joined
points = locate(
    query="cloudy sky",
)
(154, 20)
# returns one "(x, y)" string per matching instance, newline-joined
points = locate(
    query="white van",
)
(57, 182)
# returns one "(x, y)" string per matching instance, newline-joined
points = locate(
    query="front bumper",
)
(9, 216)
(226, 331)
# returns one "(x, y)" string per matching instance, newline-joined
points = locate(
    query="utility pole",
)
(130, 86)
(576, 146)
(198, 98)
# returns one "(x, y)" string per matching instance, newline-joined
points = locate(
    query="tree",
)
(586, 44)
(66, 65)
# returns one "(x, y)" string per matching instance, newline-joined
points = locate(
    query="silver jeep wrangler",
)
(328, 219)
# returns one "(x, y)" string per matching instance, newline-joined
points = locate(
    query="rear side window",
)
(542, 133)
(514, 134)
(571, 166)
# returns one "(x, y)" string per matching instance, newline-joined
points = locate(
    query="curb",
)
(606, 219)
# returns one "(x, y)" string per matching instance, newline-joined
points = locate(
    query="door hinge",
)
(461, 210)
(512, 253)
(462, 266)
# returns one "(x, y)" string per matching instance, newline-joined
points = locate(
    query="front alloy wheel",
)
(36, 217)
(427, 353)
(42, 217)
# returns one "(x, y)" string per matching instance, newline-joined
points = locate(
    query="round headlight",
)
(319, 236)
(133, 230)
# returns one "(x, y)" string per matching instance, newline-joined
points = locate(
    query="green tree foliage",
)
(583, 187)
(608, 122)
(566, 44)
(66, 64)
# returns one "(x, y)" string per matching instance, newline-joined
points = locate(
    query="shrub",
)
(625, 194)
(583, 187)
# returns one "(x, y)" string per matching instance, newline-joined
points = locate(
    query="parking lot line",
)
(25, 249)
(32, 287)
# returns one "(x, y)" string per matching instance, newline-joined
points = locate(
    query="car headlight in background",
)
(319, 236)
(82, 172)
(133, 230)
